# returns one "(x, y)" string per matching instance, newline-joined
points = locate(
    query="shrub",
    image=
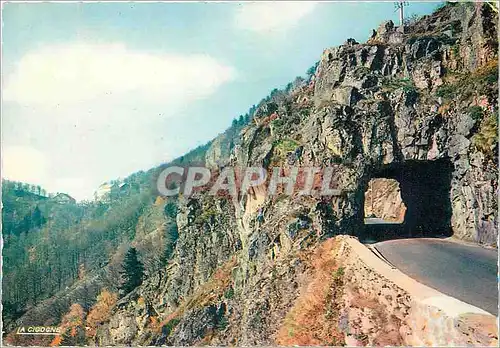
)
(312, 70)
(392, 84)
(414, 18)
(101, 311)
(171, 236)
(206, 216)
(222, 323)
(286, 145)
(305, 112)
(229, 294)
(277, 125)
(170, 326)
(339, 273)
(171, 210)
(486, 140)
(476, 112)
(72, 327)
(446, 91)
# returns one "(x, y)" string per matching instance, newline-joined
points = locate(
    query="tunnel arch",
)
(425, 190)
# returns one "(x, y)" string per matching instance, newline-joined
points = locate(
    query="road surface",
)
(466, 272)
(379, 221)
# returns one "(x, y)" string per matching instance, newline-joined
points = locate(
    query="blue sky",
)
(97, 91)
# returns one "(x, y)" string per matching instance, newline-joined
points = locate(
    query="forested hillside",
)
(48, 245)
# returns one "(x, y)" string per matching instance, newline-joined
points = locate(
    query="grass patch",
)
(170, 326)
(281, 149)
(393, 84)
(313, 320)
(229, 294)
(476, 112)
(446, 91)
(486, 139)
(277, 125)
(207, 216)
(465, 85)
(286, 145)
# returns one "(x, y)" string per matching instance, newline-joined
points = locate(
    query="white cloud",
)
(24, 163)
(265, 17)
(72, 73)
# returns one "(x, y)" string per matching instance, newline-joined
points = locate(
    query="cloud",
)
(24, 163)
(73, 73)
(267, 17)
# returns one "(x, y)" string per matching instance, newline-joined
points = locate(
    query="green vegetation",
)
(312, 70)
(284, 146)
(170, 210)
(281, 149)
(486, 139)
(392, 84)
(304, 113)
(133, 272)
(466, 85)
(25, 207)
(49, 246)
(277, 125)
(172, 234)
(338, 273)
(222, 323)
(207, 216)
(229, 294)
(170, 326)
(412, 19)
(446, 91)
(476, 112)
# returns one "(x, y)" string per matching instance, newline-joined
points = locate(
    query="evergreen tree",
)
(171, 236)
(133, 272)
(37, 218)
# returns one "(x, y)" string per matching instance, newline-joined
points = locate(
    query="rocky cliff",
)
(417, 106)
(383, 200)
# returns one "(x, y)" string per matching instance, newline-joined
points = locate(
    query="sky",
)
(93, 92)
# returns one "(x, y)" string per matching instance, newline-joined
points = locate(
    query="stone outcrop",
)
(383, 200)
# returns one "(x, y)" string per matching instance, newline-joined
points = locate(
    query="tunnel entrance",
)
(424, 190)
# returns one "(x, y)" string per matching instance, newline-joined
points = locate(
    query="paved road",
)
(379, 221)
(468, 273)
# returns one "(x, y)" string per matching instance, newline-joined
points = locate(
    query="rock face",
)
(419, 107)
(383, 200)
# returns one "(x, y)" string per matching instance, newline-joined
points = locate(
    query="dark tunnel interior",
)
(425, 190)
